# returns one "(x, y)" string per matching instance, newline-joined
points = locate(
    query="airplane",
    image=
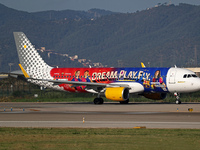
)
(113, 83)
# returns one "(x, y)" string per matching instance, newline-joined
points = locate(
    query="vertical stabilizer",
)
(29, 58)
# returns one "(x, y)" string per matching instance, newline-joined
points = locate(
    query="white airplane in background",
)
(113, 83)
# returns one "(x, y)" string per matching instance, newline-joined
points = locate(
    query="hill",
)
(159, 36)
(72, 14)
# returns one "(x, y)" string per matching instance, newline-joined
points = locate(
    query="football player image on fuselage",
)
(158, 81)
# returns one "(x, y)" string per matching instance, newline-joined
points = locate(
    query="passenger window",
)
(189, 75)
(185, 76)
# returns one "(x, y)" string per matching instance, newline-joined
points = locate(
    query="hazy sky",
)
(112, 5)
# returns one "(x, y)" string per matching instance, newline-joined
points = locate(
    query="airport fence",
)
(12, 88)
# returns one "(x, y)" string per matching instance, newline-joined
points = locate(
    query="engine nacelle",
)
(117, 93)
(155, 96)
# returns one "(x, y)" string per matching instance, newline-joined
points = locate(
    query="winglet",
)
(142, 64)
(24, 72)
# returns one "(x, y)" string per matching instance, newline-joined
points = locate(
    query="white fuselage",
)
(182, 81)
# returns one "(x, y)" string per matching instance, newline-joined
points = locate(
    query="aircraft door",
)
(172, 76)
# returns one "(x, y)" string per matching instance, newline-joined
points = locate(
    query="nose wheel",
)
(177, 95)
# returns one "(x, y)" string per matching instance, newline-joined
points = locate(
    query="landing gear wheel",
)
(178, 102)
(177, 95)
(98, 101)
(124, 102)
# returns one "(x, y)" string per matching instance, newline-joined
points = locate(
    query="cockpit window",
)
(189, 76)
(194, 75)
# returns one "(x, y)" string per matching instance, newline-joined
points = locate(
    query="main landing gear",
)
(177, 95)
(124, 102)
(98, 100)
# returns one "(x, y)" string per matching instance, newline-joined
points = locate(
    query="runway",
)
(108, 115)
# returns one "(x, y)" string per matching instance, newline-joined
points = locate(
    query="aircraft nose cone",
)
(195, 85)
(198, 84)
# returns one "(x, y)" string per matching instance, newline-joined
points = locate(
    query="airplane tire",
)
(98, 101)
(101, 100)
(124, 102)
(178, 102)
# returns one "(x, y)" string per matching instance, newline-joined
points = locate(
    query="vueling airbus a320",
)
(113, 83)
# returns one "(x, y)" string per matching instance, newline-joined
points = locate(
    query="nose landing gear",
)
(177, 95)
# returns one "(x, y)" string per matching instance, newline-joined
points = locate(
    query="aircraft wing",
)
(14, 74)
(78, 83)
(89, 85)
(17, 72)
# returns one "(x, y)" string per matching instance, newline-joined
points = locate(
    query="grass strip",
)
(103, 138)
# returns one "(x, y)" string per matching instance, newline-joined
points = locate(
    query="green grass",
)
(89, 99)
(73, 99)
(78, 138)
(56, 96)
